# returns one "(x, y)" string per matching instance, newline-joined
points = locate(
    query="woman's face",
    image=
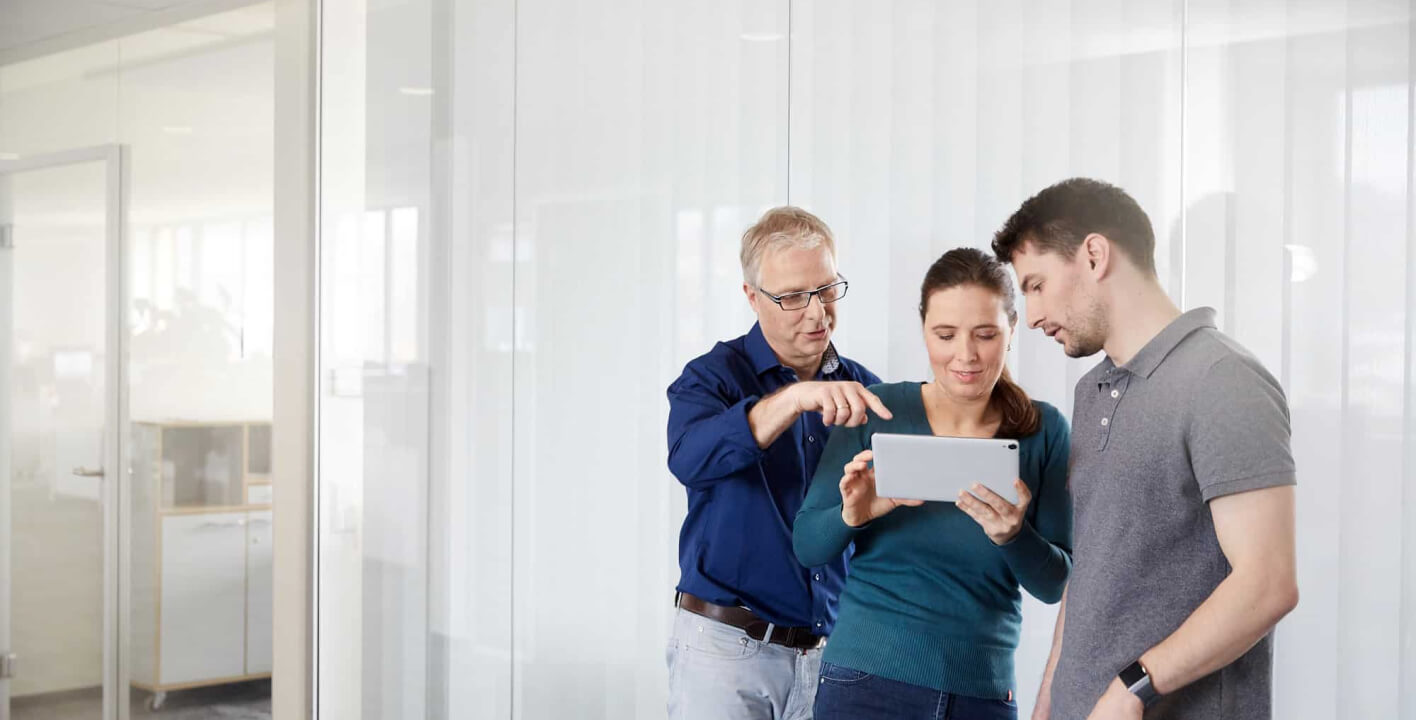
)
(967, 333)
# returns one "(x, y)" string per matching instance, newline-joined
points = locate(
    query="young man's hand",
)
(1117, 703)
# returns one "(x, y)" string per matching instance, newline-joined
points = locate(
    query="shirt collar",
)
(1154, 353)
(763, 359)
(830, 361)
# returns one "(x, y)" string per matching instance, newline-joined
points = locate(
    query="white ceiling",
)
(36, 27)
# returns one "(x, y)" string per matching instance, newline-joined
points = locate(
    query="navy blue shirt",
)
(736, 544)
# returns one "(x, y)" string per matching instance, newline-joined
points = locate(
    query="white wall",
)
(497, 522)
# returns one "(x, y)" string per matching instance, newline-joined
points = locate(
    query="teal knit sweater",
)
(929, 599)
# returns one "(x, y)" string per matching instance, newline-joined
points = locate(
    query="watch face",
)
(1138, 682)
(1133, 674)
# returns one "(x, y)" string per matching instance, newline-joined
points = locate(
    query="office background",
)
(528, 220)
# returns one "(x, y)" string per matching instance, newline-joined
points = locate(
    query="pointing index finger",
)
(875, 404)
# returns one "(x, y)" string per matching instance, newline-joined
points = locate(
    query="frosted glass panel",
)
(54, 433)
(634, 180)
(532, 215)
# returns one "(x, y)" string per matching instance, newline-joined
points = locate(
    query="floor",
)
(239, 701)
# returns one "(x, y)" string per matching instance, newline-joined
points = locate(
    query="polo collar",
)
(1154, 353)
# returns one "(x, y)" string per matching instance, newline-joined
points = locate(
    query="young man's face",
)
(799, 337)
(1062, 298)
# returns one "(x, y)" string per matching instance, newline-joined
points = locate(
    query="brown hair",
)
(969, 266)
(781, 227)
(1060, 217)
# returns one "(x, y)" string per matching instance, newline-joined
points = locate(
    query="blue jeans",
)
(846, 694)
(717, 672)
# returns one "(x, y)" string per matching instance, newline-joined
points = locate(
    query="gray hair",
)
(781, 228)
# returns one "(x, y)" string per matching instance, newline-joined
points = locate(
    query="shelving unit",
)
(201, 555)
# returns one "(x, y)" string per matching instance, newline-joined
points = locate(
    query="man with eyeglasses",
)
(747, 424)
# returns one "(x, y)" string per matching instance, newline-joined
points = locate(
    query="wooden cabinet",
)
(202, 584)
(202, 615)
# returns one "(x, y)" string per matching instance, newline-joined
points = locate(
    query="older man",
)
(747, 423)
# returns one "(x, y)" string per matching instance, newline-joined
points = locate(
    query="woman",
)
(930, 612)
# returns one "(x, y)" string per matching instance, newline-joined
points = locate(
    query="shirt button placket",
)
(1116, 391)
(1106, 419)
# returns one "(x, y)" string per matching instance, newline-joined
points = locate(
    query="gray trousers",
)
(716, 672)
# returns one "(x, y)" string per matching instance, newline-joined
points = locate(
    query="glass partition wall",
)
(530, 217)
(136, 360)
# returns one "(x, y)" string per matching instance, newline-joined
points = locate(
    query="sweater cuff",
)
(847, 528)
(1027, 550)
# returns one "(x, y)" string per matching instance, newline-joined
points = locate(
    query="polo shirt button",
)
(819, 624)
(1115, 393)
(811, 438)
(1105, 422)
(816, 577)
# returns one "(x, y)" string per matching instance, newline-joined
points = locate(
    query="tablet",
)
(925, 467)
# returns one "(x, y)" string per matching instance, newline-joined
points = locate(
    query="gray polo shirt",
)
(1191, 418)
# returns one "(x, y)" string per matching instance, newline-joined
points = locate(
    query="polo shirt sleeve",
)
(709, 437)
(1239, 432)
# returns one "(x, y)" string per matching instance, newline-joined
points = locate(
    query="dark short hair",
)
(1060, 217)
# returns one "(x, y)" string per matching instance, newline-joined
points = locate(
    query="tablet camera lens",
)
(1012, 446)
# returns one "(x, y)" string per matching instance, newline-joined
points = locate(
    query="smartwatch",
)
(1138, 681)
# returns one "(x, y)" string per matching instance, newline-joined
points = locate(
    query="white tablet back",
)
(925, 467)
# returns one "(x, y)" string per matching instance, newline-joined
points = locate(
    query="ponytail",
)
(1020, 415)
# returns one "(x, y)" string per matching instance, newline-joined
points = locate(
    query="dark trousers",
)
(846, 694)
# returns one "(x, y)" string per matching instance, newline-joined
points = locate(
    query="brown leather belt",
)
(798, 638)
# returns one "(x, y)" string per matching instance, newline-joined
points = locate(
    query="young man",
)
(747, 424)
(1181, 477)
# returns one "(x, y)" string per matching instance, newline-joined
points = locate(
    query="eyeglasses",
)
(798, 300)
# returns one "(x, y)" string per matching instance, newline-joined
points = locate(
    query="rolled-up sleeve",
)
(709, 436)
